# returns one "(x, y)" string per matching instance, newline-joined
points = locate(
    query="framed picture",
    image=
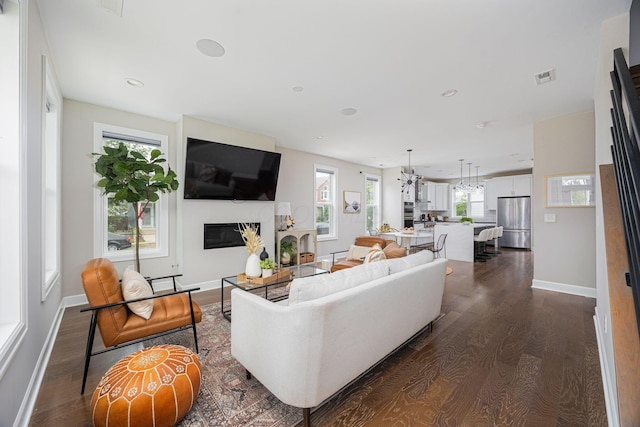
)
(570, 191)
(351, 202)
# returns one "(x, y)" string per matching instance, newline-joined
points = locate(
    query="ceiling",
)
(291, 67)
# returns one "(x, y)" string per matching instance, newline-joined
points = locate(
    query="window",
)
(469, 204)
(13, 172)
(115, 221)
(51, 180)
(325, 201)
(372, 201)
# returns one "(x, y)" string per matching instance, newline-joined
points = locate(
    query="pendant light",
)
(407, 179)
(478, 188)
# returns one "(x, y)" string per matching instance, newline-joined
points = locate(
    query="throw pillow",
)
(134, 286)
(357, 253)
(393, 250)
(375, 254)
(309, 288)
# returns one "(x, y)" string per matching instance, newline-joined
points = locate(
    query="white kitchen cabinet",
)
(438, 196)
(505, 186)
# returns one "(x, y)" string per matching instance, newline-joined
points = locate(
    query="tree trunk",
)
(136, 206)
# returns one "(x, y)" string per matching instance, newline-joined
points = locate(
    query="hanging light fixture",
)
(462, 186)
(407, 179)
(478, 187)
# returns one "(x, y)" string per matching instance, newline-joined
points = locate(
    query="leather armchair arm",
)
(114, 304)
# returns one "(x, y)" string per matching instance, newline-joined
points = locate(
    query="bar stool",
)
(480, 244)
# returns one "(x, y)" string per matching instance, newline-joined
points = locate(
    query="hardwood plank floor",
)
(503, 354)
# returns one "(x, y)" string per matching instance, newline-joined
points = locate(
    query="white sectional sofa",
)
(334, 327)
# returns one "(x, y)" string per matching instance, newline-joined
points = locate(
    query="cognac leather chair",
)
(172, 312)
(369, 241)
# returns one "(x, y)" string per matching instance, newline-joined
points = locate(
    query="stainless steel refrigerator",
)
(514, 215)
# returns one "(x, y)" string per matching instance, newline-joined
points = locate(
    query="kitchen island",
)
(459, 243)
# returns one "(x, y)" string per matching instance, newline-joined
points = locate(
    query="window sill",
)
(129, 255)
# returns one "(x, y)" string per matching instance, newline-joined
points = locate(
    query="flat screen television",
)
(227, 172)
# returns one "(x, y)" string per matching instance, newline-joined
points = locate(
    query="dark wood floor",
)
(503, 354)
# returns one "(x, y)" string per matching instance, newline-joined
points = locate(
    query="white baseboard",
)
(610, 399)
(31, 395)
(564, 288)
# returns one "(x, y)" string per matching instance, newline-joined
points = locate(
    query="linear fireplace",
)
(224, 235)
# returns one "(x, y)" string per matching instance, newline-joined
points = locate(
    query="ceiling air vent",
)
(112, 6)
(545, 77)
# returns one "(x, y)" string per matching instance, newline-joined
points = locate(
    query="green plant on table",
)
(267, 264)
(466, 219)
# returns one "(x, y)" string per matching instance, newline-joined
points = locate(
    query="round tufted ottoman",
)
(155, 386)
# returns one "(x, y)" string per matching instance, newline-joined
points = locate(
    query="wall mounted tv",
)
(228, 172)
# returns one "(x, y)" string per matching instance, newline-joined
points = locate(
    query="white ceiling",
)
(389, 59)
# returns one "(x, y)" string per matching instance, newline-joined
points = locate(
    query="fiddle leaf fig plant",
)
(133, 177)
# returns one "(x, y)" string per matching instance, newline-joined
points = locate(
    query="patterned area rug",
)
(226, 397)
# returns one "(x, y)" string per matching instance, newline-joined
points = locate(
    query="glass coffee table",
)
(280, 278)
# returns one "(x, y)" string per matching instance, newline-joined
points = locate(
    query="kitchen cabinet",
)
(438, 196)
(505, 186)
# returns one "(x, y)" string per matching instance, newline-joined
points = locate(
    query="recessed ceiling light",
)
(319, 137)
(348, 111)
(481, 125)
(448, 93)
(210, 48)
(297, 88)
(135, 83)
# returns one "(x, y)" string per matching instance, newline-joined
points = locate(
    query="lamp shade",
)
(283, 208)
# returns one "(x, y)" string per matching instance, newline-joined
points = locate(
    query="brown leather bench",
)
(389, 247)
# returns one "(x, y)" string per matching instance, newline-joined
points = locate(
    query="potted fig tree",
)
(131, 176)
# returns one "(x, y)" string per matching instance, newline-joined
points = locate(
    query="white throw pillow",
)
(308, 288)
(134, 286)
(375, 254)
(400, 264)
(357, 253)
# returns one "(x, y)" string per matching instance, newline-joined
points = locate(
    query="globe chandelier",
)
(408, 179)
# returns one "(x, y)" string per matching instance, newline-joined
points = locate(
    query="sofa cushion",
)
(393, 250)
(134, 286)
(309, 288)
(357, 253)
(375, 254)
(400, 264)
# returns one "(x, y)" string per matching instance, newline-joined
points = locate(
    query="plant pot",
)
(266, 272)
(252, 267)
(285, 258)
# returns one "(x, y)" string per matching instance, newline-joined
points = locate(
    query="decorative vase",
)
(266, 272)
(285, 258)
(252, 267)
(264, 254)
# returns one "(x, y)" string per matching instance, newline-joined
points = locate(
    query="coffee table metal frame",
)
(248, 286)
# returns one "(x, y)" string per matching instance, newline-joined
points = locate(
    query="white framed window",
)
(325, 201)
(114, 220)
(51, 124)
(468, 204)
(372, 201)
(13, 173)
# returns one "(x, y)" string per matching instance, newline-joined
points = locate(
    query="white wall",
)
(614, 34)
(565, 249)
(392, 199)
(78, 189)
(296, 185)
(20, 380)
(205, 267)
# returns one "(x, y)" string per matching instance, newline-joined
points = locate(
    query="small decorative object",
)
(289, 221)
(287, 251)
(267, 265)
(264, 254)
(253, 243)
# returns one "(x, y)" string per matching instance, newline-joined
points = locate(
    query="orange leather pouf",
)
(155, 386)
